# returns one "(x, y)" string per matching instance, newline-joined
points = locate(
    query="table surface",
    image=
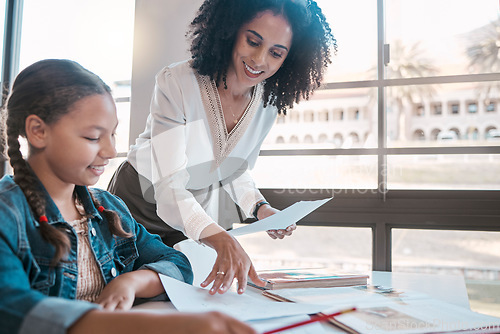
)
(448, 288)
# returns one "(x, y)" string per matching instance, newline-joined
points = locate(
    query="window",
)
(454, 108)
(419, 110)
(414, 136)
(99, 38)
(338, 115)
(418, 135)
(322, 138)
(294, 116)
(491, 106)
(323, 116)
(465, 253)
(472, 133)
(437, 109)
(309, 116)
(352, 248)
(280, 119)
(338, 140)
(2, 25)
(472, 107)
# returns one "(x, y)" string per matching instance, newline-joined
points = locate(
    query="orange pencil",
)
(322, 317)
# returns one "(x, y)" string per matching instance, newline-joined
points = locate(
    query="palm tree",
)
(407, 61)
(484, 55)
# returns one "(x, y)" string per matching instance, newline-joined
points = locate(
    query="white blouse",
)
(186, 152)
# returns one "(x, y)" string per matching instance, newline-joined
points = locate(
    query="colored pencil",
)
(321, 317)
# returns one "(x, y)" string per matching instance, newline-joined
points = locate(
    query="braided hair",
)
(213, 34)
(48, 89)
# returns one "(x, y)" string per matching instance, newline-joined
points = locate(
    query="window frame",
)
(10, 55)
(379, 209)
(382, 210)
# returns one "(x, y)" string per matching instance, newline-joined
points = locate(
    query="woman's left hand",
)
(265, 211)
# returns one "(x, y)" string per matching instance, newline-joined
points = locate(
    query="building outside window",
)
(431, 52)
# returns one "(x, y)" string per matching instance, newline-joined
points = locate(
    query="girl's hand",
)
(104, 322)
(265, 211)
(232, 262)
(121, 292)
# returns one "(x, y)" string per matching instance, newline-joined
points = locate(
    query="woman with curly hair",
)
(251, 60)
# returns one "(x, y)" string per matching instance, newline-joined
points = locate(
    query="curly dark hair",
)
(213, 33)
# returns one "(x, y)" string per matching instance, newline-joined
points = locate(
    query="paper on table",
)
(416, 317)
(201, 257)
(188, 298)
(282, 219)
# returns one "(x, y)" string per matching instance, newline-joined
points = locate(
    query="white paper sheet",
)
(282, 219)
(188, 298)
(416, 317)
(201, 257)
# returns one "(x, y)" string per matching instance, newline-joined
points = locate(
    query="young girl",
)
(70, 255)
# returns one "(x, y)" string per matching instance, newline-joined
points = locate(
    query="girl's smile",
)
(77, 147)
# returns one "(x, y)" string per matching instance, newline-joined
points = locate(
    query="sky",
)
(96, 33)
(438, 23)
(99, 33)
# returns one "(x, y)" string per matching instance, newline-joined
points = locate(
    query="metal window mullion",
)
(12, 43)
(445, 79)
(387, 151)
(381, 115)
(10, 52)
(381, 247)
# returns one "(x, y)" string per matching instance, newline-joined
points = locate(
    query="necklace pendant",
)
(236, 121)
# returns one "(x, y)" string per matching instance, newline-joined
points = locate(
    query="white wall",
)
(159, 40)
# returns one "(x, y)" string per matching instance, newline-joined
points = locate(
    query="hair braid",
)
(114, 222)
(48, 89)
(26, 180)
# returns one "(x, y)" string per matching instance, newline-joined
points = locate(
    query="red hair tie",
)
(100, 208)
(43, 219)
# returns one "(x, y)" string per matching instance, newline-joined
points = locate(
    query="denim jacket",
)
(38, 298)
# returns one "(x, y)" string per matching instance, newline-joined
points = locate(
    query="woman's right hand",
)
(232, 262)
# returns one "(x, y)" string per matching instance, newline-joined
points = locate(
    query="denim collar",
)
(54, 215)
